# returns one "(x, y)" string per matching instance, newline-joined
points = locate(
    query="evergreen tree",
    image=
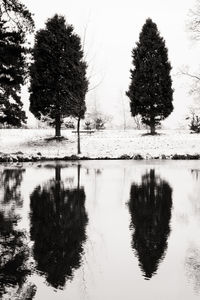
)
(150, 90)
(16, 14)
(12, 75)
(58, 73)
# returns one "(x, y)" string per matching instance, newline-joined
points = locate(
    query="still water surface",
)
(100, 230)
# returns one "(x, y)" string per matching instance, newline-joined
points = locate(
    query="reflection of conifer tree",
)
(13, 256)
(58, 221)
(150, 208)
(14, 251)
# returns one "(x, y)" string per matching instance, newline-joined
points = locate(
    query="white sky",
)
(112, 29)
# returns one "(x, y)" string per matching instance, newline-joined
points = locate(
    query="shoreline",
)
(20, 157)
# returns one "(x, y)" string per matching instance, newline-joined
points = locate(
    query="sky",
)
(109, 30)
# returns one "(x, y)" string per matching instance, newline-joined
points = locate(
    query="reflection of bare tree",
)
(195, 173)
(14, 250)
(194, 197)
(192, 265)
(98, 171)
(58, 222)
(70, 181)
(150, 209)
(10, 181)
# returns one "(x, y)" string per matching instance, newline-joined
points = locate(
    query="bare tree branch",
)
(191, 75)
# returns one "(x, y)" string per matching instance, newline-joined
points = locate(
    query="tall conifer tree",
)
(58, 73)
(15, 22)
(150, 90)
(12, 75)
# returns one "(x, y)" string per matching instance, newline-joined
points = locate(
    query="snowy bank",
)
(36, 144)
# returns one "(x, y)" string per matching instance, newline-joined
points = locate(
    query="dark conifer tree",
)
(12, 75)
(58, 73)
(150, 90)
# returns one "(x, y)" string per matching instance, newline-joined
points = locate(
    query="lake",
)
(100, 230)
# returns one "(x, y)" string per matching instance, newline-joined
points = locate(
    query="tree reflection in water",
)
(14, 251)
(150, 209)
(58, 224)
(11, 183)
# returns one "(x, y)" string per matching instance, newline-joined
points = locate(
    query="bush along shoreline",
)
(20, 157)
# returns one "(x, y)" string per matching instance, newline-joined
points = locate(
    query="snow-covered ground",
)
(108, 143)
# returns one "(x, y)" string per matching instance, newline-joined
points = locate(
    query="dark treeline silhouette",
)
(150, 209)
(14, 250)
(58, 224)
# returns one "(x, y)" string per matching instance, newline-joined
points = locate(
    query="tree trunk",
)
(152, 127)
(57, 189)
(57, 173)
(58, 126)
(78, 136)
(78, 183)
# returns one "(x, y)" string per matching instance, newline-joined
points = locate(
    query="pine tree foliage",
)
(17, 14)
(12, 75)
(15, 21)
(58, 73)
(150, 90)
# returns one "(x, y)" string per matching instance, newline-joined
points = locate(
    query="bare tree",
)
(123, 110)
(138, 122)
(193, 22)
(90, 75)
(194, 77)
(193, 28)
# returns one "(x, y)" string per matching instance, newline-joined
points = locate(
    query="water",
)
(100, 230)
